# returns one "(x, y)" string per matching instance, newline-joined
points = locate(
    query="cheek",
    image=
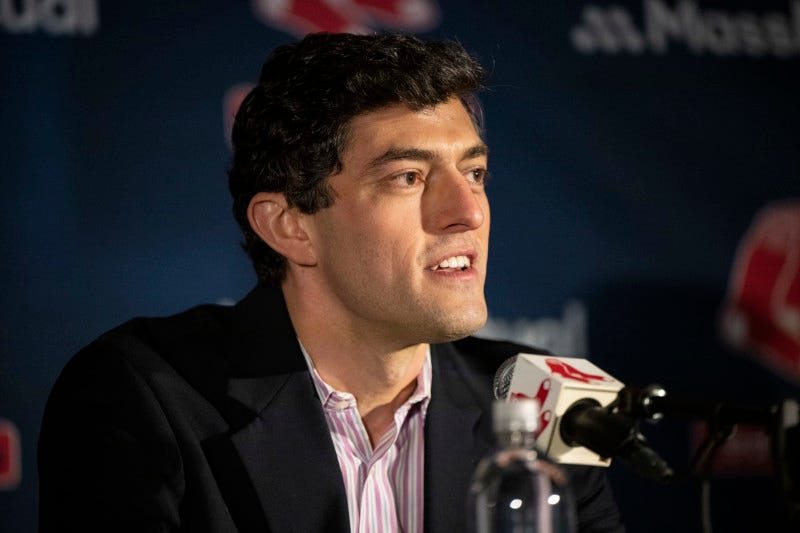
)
(390, 248)
(374, 232)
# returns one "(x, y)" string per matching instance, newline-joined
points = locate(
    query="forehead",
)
(441, 127)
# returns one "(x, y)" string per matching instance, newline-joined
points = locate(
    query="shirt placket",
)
(378, 511)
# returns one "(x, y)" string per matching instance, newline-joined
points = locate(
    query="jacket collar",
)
(287, 439)
(264, 352)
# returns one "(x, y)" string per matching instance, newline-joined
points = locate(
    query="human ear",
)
(279, 225)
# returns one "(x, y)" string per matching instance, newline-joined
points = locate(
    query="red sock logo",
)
(300, 17)
(10, 456)
(541, 394)
(762, 314)
(541, 397)
(562, 368)
(544, 421)
(230, 106)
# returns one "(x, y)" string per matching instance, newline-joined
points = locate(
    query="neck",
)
(375, 378)
(380, 382)
(381, 375)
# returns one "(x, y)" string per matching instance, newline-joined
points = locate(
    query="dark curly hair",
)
(291, 129)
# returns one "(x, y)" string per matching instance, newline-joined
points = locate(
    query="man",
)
(332, 397)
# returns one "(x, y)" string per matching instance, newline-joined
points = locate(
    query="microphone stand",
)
(781, 422)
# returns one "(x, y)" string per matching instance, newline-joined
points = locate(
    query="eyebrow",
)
(419, 154)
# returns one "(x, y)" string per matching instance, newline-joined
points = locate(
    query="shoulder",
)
(138, 381)
(197, 333)
(118, 421)
(192, 328)
(144, 356)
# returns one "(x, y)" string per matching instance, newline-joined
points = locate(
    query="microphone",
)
(576, 423)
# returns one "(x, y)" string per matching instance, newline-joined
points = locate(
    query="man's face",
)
(402, 251)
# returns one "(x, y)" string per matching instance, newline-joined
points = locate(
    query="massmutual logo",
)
(665, 26)
(53, 17)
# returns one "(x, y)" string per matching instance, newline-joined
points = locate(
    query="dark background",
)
(624, 177)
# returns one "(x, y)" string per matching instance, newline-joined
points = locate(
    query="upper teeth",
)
(458, 261)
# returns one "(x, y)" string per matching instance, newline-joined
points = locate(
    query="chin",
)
(458, 329)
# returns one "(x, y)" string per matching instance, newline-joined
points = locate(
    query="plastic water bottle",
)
(517, 489)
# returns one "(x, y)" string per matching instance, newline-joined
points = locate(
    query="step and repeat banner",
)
(645, 194)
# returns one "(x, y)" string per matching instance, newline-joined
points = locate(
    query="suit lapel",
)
(457, 436)
(285, 448)
(292, 464)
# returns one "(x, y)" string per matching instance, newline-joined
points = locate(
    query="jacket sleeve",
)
(108, 460)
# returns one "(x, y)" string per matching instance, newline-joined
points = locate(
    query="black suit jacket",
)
(208, 421)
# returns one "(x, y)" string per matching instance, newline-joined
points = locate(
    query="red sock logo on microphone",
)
(562, 368)
(541, 397)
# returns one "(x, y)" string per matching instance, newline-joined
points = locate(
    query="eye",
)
(478, 175)
(408, 178)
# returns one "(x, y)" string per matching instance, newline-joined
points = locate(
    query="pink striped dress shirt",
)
(384, 485)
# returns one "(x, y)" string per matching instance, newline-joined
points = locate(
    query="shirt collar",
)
(330, 397)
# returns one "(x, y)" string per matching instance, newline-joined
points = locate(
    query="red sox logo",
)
(347, 16)
(567, 371)
(762, 312)
(10, 457)
(541, 396)
(230, 105)
(300, 17)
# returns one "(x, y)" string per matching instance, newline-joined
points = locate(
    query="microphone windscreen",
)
(502, 378)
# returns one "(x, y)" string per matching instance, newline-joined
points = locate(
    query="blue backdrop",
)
(633, 145)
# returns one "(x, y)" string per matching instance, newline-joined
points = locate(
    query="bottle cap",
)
(516, 415)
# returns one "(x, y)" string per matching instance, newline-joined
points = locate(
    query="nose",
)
(453, 204)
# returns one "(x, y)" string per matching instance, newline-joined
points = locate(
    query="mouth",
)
(454, 263)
